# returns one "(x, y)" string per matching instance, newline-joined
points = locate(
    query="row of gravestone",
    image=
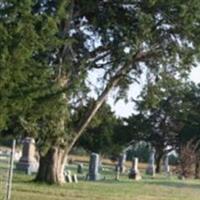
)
(151, 164)
(120, 167)
(29, 164)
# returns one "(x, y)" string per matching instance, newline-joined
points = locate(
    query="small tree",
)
(187, 157)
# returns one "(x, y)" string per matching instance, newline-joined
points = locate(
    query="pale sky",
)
(121, 108)
(195, 75)
(126, 109)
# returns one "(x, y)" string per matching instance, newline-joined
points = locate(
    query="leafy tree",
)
(162, 112)
(189, 136)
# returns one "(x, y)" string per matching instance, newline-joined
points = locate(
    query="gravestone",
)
(28, 162)
(121, 163)
(18, 155)
(166, 167)
(80, 168)
(93, 174)
(134, 172)
(100, 166)
(68, 176)
(151, 163)
(117, 175)
(74, 178)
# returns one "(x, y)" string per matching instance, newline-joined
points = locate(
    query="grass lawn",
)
(159, 188)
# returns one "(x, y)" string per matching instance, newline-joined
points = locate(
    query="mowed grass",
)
(160, 188)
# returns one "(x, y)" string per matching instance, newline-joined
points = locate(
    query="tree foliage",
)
(101, 134)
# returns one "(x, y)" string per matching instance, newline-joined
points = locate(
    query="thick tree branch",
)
(114, 81)
(90, 114)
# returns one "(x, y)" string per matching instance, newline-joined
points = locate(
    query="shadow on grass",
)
(173, 183)
(161, 181)
(21, 177)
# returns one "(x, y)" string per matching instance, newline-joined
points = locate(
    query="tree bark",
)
(51, 168)
(197, 169)
(158, 163)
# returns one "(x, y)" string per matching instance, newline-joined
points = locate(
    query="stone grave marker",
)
(134, 172)
(28, 162)
(151, 163)
(68, 176)
(100, 165)
(117, 175)
(80, 168)
(121, 163)
(74, 178)
(93, 174)
(166, 167)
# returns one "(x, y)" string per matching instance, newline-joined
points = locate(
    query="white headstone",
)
(74, 178)
(134, 172)
(68, 176)
(166, 167)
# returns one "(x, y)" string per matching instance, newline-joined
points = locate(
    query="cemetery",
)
(87, 175)
(99, 100)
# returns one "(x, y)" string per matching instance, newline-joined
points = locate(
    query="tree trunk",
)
(197, 170)
(51, 168)
(158, 163)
